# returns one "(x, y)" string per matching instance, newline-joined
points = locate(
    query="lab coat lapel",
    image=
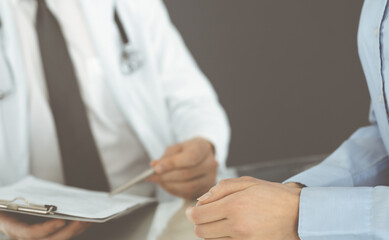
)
(99, 16)
(14, 110)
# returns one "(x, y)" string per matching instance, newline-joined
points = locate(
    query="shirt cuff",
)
(335, 213)
(324, 175)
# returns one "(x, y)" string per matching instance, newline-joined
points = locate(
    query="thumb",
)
(170, 151)
(174, 149)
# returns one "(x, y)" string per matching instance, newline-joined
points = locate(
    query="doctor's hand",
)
(15, 228)
(187, 169)
(246, 209)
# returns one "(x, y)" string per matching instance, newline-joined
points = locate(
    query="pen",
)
(141, 177)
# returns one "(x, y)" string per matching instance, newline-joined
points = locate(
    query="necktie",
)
(80, 158)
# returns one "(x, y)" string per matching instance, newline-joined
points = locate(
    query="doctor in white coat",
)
(163, 110)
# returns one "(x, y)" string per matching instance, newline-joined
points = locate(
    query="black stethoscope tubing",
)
(131, 59)
(123, 35)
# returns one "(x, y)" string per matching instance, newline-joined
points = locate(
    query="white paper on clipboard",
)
(71, 203)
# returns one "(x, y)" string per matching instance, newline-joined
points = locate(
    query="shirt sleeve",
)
(333, 213)
(195, 110)
(341, 201)
(362, 160)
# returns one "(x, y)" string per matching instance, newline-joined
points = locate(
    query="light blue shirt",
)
(348, 194)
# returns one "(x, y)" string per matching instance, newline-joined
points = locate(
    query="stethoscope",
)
(131, 59)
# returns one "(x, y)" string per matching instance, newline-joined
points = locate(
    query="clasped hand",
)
(247, 209)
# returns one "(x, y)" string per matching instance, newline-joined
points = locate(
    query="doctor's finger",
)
(16, 229)
(190, 189)
(228, 186)
(181, 160)
(211, 212)
(219, 229)
(208, 166)
(171, 150)
(73, 229)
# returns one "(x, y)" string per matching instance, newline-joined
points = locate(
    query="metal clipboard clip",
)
(27, 207)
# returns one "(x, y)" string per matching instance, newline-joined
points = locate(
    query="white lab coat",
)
(169, 100)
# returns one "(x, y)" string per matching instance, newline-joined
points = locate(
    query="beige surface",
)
(179, 227)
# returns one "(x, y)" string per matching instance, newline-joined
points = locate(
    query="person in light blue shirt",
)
(347, 195)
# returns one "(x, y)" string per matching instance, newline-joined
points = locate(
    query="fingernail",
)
(204, 197)
(159, 168)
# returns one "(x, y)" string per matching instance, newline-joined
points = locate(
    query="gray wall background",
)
(287, 72)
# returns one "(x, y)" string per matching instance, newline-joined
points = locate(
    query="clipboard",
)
(26, 207)
(36, 197)
(49, 211)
